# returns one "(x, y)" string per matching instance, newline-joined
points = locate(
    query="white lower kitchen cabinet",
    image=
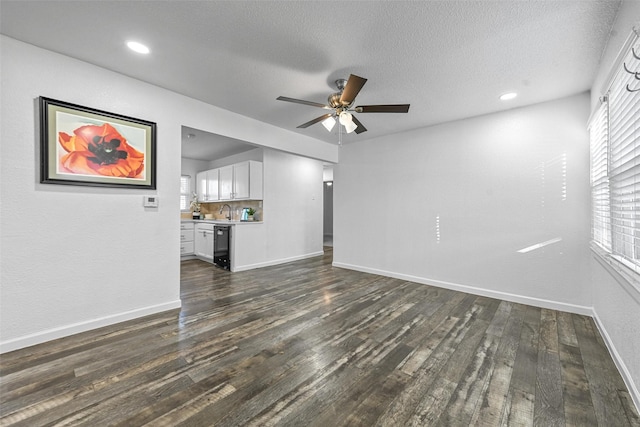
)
(247, 243)
(203, 240)
(186, 238)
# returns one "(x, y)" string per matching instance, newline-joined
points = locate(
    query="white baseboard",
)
(75, 328)
(276, 261)
(521, 299)
(622, 367)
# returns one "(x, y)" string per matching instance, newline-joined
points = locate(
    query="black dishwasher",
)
(221, 250)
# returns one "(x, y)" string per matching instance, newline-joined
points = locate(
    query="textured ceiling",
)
(448, 59)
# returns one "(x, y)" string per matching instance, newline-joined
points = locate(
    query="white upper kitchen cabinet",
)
(247, 180)
(241, 181)
(213, 189)
(201, 184)
(207, 182)
(226, 182)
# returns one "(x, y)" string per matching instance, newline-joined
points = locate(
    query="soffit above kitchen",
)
(448, 59)
(201, 145)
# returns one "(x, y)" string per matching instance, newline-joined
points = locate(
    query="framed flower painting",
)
(83, 146)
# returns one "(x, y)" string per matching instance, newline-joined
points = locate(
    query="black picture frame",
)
(85, 146)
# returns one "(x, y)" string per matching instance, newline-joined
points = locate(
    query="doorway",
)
(327, 228)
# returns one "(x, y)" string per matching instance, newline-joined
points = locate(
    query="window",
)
(185, 192)
(615, 167)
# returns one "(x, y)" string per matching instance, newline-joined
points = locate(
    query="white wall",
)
(293, 213)
(628, 17)
(292, 205)
(452, 204)
(615, 303)
(327, 173)
(75, 258)
(255, 154)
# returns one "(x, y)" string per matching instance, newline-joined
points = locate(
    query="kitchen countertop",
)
(219, 221)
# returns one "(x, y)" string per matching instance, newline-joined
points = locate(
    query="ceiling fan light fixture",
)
(350, 126)
(329, 123)
(345, 118)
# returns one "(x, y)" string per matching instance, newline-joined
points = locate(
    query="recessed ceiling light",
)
(508, 96)
(138, 47)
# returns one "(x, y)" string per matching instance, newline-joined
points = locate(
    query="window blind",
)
(624, 164)
(600, 214)
(185, 187)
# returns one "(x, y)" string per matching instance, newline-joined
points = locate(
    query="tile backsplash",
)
(236, 209)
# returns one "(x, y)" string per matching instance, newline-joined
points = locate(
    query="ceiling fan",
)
(341, 105)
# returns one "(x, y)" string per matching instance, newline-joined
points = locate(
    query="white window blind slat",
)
(600, 214)
(626, 174)
(624, 165)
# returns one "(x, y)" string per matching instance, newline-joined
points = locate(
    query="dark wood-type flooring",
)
(306, 344)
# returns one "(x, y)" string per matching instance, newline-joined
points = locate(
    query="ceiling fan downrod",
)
(334, 98)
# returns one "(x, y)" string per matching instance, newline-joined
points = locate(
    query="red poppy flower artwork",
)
(99, 150)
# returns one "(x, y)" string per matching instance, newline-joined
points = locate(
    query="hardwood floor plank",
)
(549, 404)
(548, 331)
(359, 396)
(431, 385)
(471, 385)
(489, 412)
(55, 351)
(604, 381)
(578, 406)
(566, 331)
(524, 372)
(628, 405)
(519, 412)
(307, 344)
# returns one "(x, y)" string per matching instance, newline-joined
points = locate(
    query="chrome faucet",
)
(222, 208)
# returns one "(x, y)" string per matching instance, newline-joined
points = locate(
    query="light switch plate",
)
(150, 201)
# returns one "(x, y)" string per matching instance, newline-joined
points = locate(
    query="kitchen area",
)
(245, 207)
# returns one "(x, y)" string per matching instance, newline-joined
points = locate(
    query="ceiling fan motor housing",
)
(334, 100)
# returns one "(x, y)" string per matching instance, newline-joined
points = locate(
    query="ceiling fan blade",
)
(316, 120)
(300, 101)
(351, 90)
(392, 108)
(360, 127)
